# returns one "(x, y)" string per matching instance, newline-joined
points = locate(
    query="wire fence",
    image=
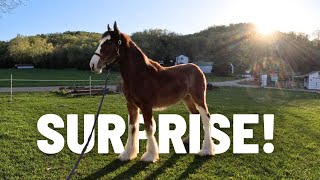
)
(75, 82)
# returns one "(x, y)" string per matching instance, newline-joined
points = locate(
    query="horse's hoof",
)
(206, 152)
(149, 157)
(124, 156)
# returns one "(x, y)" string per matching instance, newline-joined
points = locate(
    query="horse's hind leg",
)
(190, 105)
(152, 153)
(131, 148)
(200, 103)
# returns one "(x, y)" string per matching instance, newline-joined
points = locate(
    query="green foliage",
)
(60, 50)
(222, 69)
(29, 49)
(239, 44)
(159, 44)
(5, 59)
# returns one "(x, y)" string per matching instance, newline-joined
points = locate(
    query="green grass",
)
(55, 74)
(296, 139)
(67, 74)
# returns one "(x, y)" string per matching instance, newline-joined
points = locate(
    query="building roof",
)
(182, 55)
(312, 72)
(303, 75)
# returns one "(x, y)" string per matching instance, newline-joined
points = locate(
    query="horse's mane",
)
(150, 63)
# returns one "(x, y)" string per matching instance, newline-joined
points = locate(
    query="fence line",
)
(51, 80)
(90, 80)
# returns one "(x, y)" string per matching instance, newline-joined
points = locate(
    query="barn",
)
(312, 80)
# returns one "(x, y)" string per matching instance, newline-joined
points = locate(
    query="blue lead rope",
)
(94, 124)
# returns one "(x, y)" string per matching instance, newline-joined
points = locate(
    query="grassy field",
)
(296, 139)
(66, 74)
(55, 74)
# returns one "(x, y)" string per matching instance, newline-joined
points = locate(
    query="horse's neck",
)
(132, 60)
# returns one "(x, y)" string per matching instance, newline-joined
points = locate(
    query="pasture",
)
(67, 74)
(296, 139)
(54, 74)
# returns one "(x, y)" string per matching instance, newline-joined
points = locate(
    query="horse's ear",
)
(115, 27)
(109, 29)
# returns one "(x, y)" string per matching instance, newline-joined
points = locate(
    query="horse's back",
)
(188, 71)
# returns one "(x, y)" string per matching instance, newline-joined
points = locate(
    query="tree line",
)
(239, 44)
(59, 50)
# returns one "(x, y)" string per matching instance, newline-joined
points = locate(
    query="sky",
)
(180, 16)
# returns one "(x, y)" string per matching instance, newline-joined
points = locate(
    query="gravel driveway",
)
(234, 83)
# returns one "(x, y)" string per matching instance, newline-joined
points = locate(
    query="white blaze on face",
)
(95, 58)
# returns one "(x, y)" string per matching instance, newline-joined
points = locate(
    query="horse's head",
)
(107, 51)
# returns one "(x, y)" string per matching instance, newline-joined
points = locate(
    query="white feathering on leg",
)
(207, 146)
(152, 153)
(131, 148)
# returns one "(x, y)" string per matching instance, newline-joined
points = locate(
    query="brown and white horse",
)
(148, 86)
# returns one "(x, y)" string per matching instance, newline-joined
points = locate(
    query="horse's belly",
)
(164, 100)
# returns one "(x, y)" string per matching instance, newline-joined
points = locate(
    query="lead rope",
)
(94, 124)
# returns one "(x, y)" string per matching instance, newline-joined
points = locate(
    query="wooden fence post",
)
(11, 87)
(90, 86)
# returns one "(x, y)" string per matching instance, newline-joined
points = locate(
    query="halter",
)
(98, 55)
(118, 49)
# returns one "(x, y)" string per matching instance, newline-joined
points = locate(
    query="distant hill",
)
(239, 44)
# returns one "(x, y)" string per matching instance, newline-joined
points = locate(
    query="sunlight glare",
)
(273, 15)
(265, 28)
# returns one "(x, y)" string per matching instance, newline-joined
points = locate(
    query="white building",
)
(264, 80)
(24, 66)
(312, 80)
(206, 67)
(182, 59)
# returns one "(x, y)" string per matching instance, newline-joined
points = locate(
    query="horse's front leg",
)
(152, 153)
(131, 148)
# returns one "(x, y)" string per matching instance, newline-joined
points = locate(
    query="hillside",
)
(239, 44)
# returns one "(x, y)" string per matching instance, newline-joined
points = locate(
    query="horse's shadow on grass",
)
(139, 166)
(166, 165)
(112, 166)
(197, 162)
(116, 164)
(133, 170)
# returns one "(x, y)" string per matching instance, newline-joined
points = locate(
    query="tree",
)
(5, 59)
(238, 44)
(30, 49)
(8, 5)
(316, 36)
(222, 69)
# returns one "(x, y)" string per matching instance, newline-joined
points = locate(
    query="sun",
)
(273, 15)
(265, 28)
